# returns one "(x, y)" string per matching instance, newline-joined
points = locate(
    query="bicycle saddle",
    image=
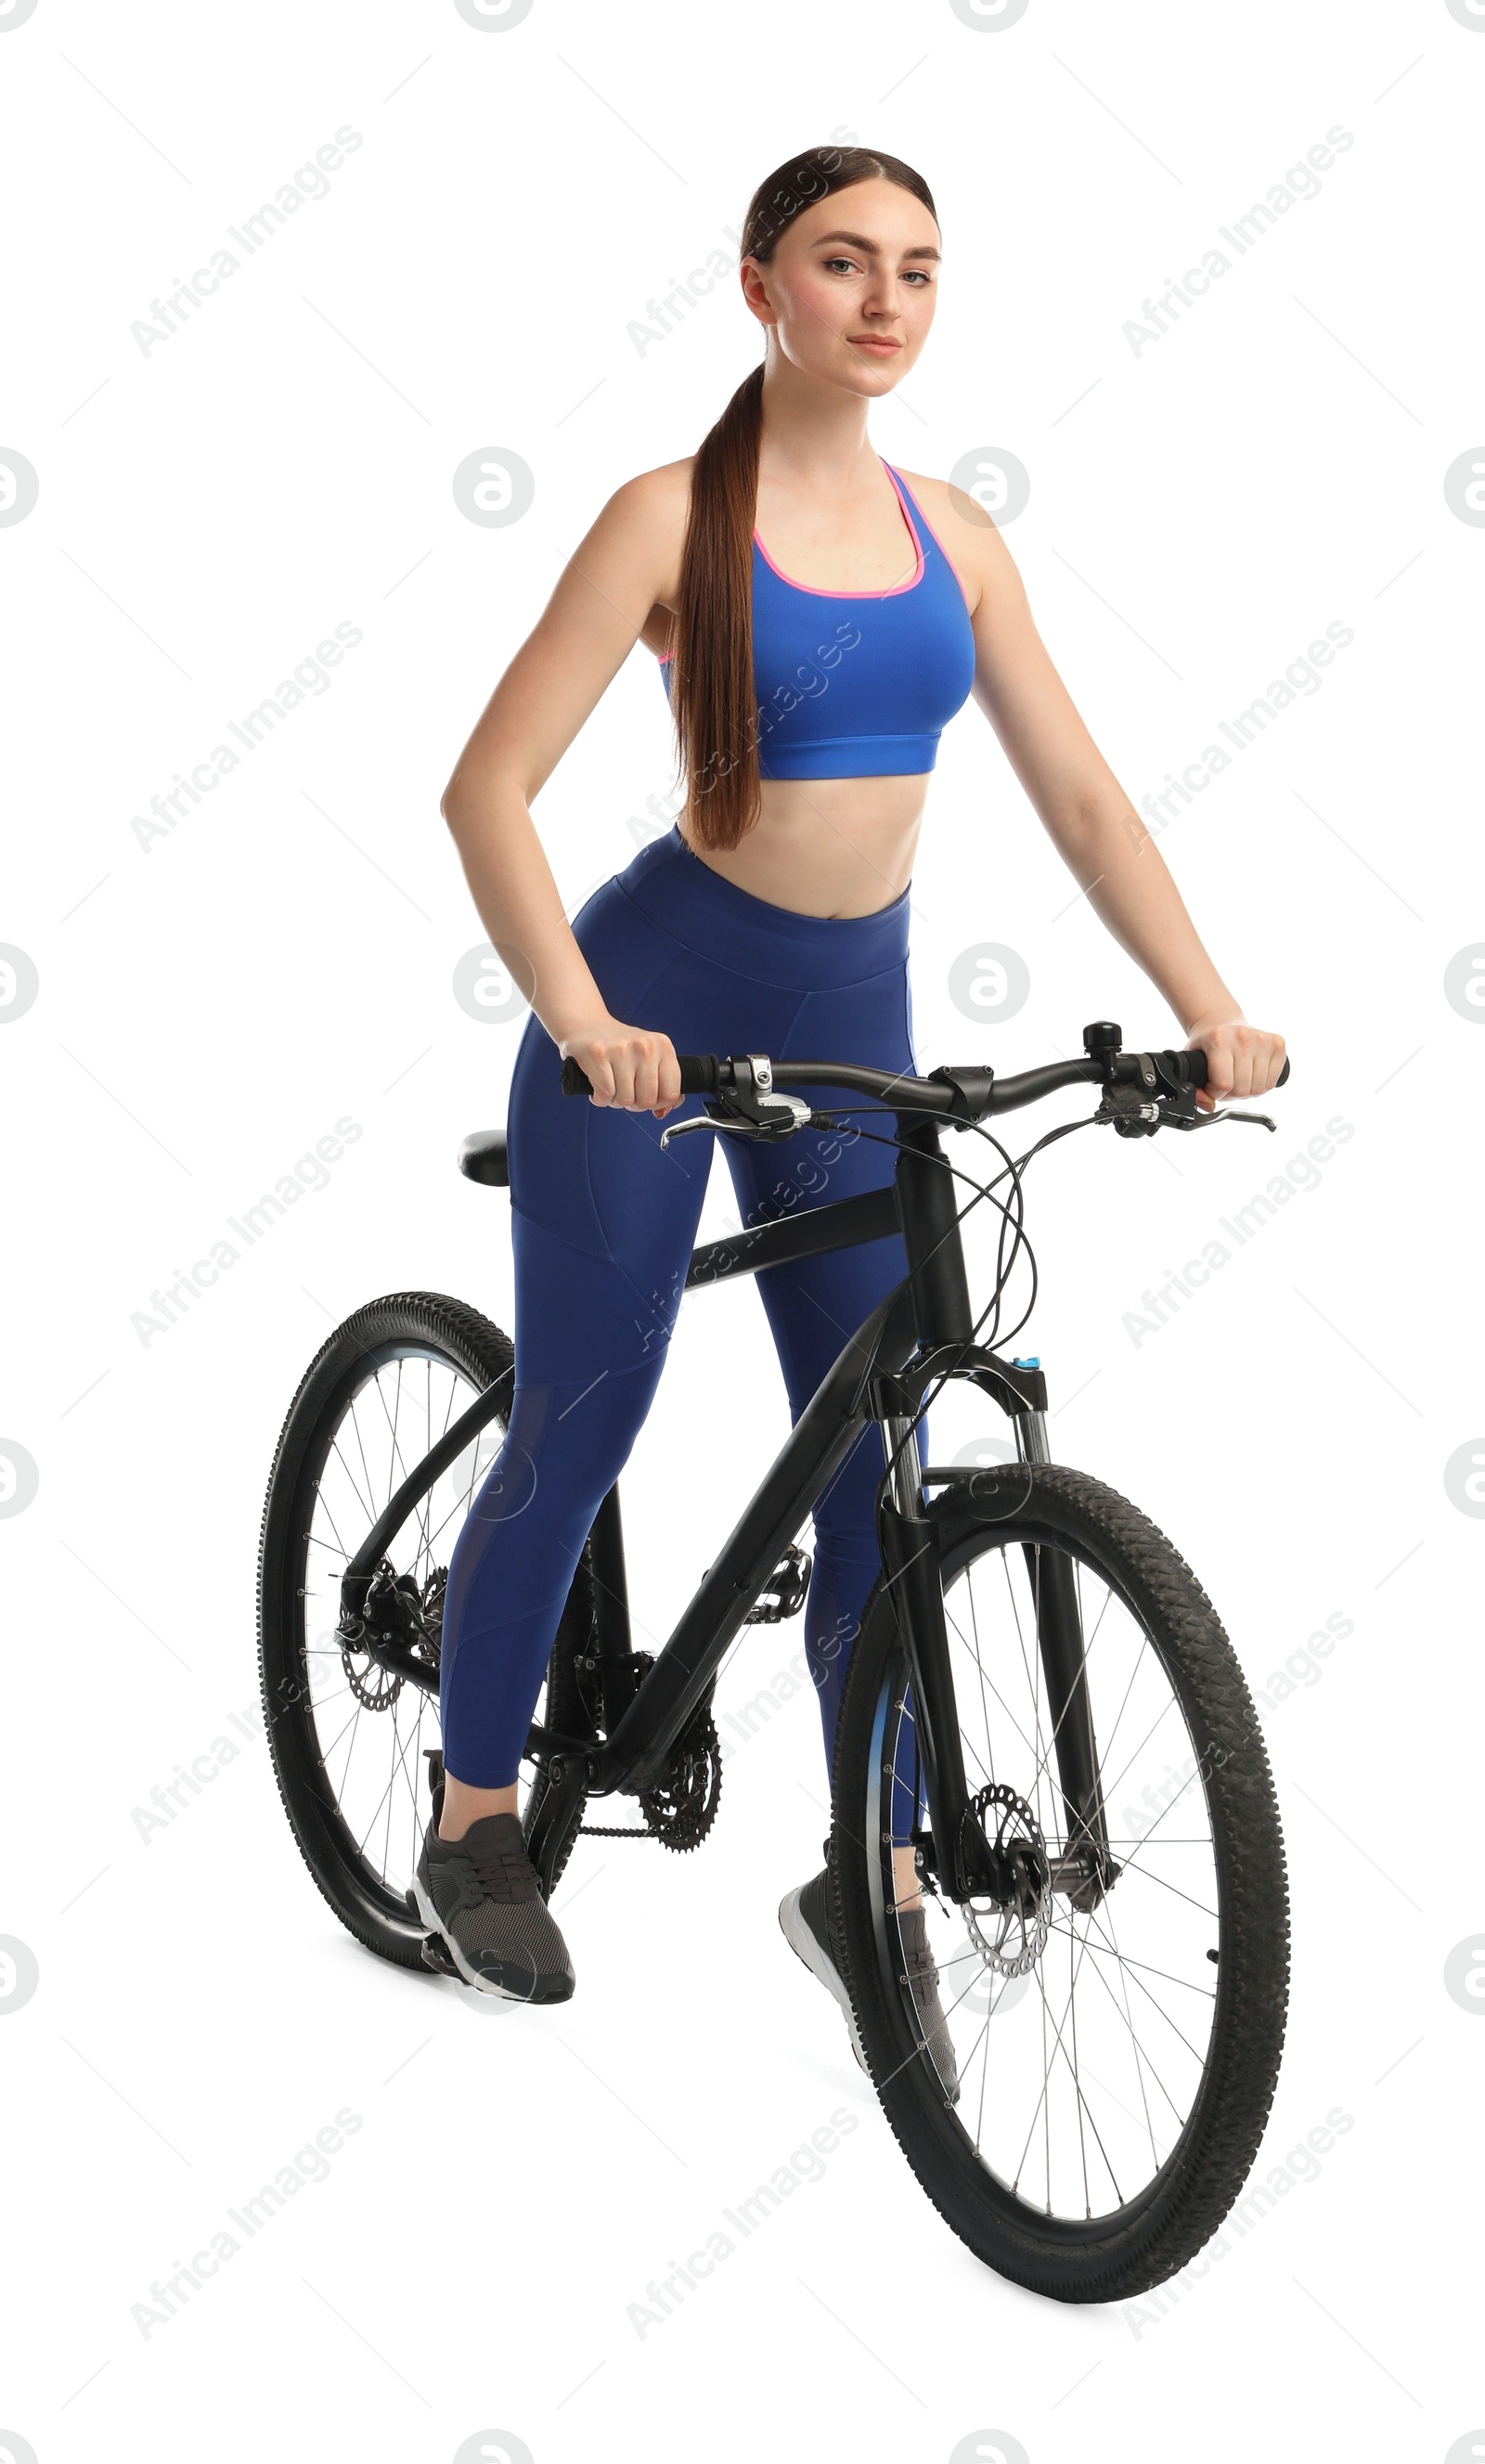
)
(483, 1157)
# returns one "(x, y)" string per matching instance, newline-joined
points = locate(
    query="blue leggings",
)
(604, 1223)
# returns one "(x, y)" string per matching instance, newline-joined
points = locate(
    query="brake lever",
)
(1173, 1121)
(772, 1116)
(704, 1121)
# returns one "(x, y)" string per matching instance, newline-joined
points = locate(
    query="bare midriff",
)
(824, 847)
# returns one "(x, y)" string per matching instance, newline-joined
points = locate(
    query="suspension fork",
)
(1059, 1636)
(940, 1296)
(965, 1865)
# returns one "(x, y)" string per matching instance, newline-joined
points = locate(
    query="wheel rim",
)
(368, 1733)
(1080, 2078)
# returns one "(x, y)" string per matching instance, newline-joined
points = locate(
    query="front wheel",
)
(1090, 2110)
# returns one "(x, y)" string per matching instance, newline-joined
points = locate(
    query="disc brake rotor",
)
(374, 1688)
(1011, 1940)
(395, 1606)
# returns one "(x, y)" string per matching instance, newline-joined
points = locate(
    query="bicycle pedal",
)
(783, 1594)
(436, 1956)
(431, 1951)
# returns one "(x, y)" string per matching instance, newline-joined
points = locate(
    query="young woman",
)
(819, 617)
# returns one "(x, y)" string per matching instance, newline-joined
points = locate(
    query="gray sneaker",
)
(921, 1975)
(481, 1897)
(804, 1914)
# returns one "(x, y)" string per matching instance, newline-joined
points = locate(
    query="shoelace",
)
(502, 1870)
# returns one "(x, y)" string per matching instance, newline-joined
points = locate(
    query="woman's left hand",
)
(1241, 1060)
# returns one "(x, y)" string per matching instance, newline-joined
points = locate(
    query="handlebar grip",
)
(698, 1075)
(1196, 1066)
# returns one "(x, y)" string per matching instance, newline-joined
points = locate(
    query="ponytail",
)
(712, 672)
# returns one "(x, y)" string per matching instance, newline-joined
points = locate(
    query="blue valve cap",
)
(1034, 1362)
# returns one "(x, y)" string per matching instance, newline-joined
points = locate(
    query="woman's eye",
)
(841, 265)
(918, 276)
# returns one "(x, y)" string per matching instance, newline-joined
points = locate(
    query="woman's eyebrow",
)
(869, 246)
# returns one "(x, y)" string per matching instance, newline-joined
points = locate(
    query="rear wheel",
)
(348, 1740)
(1113, 2067)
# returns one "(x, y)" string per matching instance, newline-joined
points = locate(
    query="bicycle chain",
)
(679, 1822)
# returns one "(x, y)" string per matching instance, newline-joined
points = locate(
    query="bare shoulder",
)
(669, 483)
(967, 533)
(658, 500)
(635, 547)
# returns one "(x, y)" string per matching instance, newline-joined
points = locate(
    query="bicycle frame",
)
(922, 1330)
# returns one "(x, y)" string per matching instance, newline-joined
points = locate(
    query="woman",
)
(819, 617)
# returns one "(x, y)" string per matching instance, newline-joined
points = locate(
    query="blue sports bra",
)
(857, 684)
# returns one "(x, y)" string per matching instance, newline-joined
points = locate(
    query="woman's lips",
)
(877, 344)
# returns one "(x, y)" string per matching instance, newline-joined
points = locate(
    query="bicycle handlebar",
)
(962, 1094)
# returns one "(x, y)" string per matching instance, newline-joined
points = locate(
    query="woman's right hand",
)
(625, 1065)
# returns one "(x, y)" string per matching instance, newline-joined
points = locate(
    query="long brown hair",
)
(712, 695)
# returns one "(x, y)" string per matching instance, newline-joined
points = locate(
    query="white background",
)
(1199, 513)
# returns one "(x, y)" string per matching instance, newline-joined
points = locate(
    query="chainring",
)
(681, 1810)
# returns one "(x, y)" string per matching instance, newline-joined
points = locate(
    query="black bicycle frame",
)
(921, 1331)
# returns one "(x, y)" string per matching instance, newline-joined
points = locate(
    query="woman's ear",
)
(755, 296)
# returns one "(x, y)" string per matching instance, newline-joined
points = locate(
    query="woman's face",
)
(848, 294)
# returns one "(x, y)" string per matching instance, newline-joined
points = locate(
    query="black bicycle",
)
(1098, 1842)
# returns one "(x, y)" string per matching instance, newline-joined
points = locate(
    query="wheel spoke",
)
(365, 1503)
(1130, 1968)
(1141, 1874)
(1133, 2038)
(1140, 1846)
(1115, 1785)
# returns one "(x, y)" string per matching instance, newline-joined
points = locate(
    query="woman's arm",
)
(624, 569)
(1090, 819)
